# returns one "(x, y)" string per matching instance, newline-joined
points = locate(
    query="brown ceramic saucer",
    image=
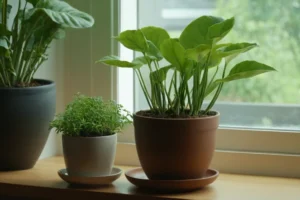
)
(90, 181)
(138, 177)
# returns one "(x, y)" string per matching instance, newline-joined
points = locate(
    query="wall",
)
(53, 69)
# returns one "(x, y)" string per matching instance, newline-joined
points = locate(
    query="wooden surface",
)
(42, 182)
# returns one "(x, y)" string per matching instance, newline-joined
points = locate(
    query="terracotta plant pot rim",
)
(93, 137)
(176, 119)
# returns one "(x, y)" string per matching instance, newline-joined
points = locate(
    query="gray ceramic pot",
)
(89, 156)
(24, 124)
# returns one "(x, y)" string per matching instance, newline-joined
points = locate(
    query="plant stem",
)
(204, 83)
(212, 79)
(213, 101)
(161, 87)
(143, 86)
(4, 13)
(189, 98)
(176, 100)
(15, 27)
(196, 88)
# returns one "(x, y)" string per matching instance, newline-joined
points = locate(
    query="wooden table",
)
(42, 182)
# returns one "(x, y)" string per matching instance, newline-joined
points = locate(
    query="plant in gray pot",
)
(89, 126)
(28, 104)
(175, 137)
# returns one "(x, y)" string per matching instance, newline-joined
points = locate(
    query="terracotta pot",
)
(89, 156)
(175, 149)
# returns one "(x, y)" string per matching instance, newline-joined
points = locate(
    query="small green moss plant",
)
(90, 117)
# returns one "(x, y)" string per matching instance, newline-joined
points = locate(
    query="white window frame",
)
(262, 152)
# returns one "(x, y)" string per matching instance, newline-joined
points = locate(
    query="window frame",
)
(261, 152)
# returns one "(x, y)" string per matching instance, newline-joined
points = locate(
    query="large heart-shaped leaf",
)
(218, 31)
(141, 60)
(198, 52)
(215, 60)
(246, 69)
(173, 52)
(153, 52)
(155, 34)
(115, 61)
(134, 40)
(230, 51)
(61, 13)
(196, 32)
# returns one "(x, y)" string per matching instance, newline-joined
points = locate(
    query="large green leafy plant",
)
(23, 46)
(91, 116)
(191, 57)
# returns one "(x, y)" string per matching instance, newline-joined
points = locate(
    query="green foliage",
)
(274, 25)
(23, 46)
(192, 57)
(91, 116)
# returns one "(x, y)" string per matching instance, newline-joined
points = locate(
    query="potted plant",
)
(175, 138)
(89, 126)
(28, 104)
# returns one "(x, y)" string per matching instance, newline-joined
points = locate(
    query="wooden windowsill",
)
(42, 182)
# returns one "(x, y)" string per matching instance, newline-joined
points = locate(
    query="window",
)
(259, 115)
(268, 101)
(247, 146)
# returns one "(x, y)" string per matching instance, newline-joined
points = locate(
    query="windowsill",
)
(43, 182)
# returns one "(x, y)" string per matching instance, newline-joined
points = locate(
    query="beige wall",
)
(53, 69)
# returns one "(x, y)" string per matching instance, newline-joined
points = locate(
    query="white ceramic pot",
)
(89, 156)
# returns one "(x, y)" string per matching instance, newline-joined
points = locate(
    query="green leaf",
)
(61, 13)
(211, 88)
(196, 32)
(134, 40)
(155, 34)
(33, 2)
(141, 60)
(160, 75)
(230, 51)
(153, 52)
(4, 31)
(220, 30)
(115, 61)
(215, 60)
(187, 71)
(173, 52)
(246, 69)
(4, 43)
(198, 52)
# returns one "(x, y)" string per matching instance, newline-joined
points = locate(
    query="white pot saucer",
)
(138, 177)
(91, 181)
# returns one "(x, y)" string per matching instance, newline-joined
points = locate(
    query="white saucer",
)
(93, 181)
